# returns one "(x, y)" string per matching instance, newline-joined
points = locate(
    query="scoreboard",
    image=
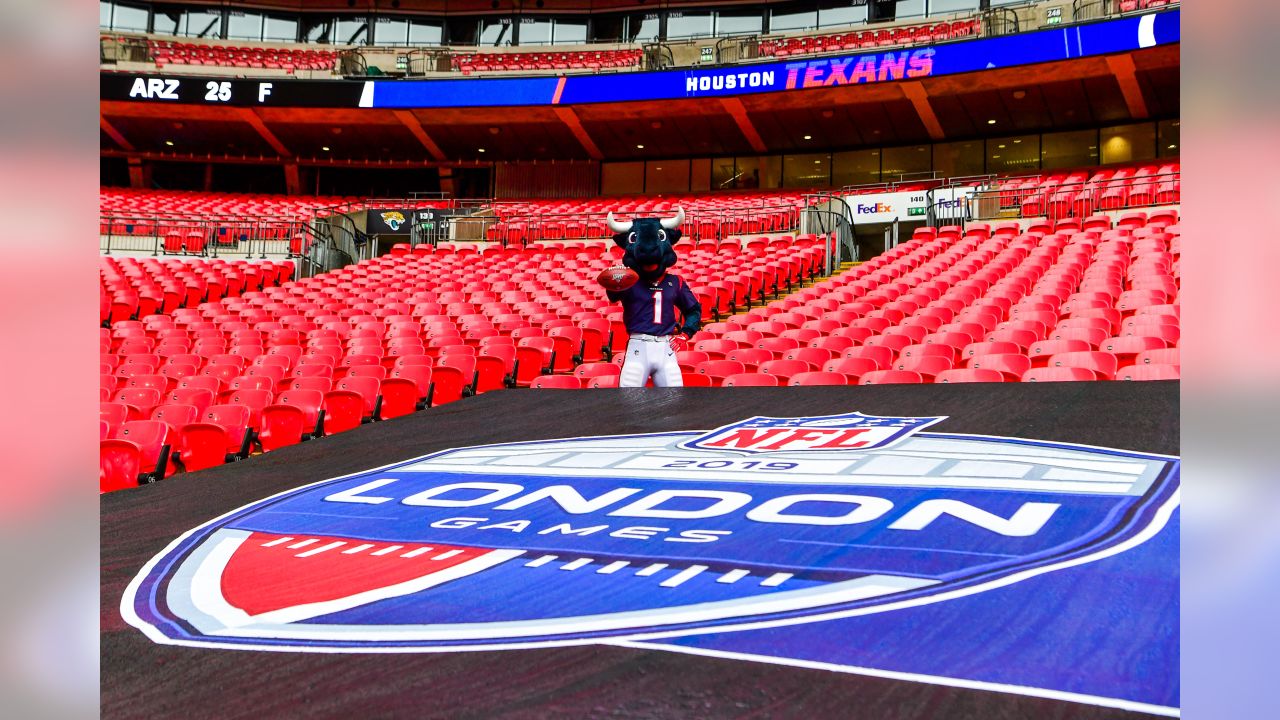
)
(272, 92)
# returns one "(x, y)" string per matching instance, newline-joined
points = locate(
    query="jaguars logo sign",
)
(393, 218)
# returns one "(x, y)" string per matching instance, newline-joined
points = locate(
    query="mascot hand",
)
(679, 343)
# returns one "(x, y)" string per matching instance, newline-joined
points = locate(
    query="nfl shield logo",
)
(824, 433)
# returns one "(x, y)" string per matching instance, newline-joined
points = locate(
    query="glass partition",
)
(280, 28)
(835, 12)
(244, 25)
(495, 32)
(666, 176)
(738, 22)
(351, 31)
(535, 31)
(958, 159)
(855, 167)
(1128, 143)
(1069, 149)
(806, 171)
(391, 31)
(569, 31)
(1169, 138)
(426, 32)
(700, 175)
(723, 174)
(912, 160)
(689, 23)
(622, 178)
(1013, 154)
(793, 16)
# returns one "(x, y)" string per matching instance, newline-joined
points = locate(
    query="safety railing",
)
(1057, 199)
(828, 215)
(114, 49)
(656, 56)
(200, 235)
(1086, 10)
(522, 228)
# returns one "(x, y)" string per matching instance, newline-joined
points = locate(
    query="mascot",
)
(650, 297)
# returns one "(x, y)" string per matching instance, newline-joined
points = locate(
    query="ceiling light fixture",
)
(991, 122)
(1172, 147)
(324, 148)
(1000, 146)
(1015, 142)
(639, 147)
(808, 137)
(481, 149)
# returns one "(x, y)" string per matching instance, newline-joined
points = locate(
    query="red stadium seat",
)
(969, 375)
(818, 377)
(1058, 374)
(1102, 364)
(119, 465)
(557, 382)
(717, 370)
(1153, 371)
(281, 425)
(890, 377)
(750, 379)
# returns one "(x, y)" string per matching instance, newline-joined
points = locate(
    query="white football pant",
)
(650, 355)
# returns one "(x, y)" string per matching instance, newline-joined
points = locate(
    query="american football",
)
(617, 278)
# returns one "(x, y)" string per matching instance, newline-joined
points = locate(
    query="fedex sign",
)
(873, 208)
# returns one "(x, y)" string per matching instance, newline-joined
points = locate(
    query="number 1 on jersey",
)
(657, 307)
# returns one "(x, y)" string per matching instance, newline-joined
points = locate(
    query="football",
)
(618, 278)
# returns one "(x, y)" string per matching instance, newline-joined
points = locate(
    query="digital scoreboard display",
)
(270, 92)
(892, 64)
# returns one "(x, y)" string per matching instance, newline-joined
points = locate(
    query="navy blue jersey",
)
(651, 309)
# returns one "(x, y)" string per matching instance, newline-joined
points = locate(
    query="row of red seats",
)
(123, 202)
(170, 52)
(574, 60)
(381, 339)
(868, 39)
(132, 288)
(1053, 302)
(1080, 194)
(707, 215)
(1132, 5)
(790, 371)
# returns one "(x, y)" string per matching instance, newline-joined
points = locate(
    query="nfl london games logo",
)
(596, 539)
(826, 433)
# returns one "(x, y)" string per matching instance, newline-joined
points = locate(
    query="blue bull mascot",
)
(650, 301)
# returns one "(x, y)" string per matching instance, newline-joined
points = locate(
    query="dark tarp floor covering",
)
(141, 679)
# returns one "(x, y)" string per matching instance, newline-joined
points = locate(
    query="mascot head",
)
(647, 242)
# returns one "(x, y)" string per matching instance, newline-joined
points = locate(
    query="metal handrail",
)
(1091, 9)
(656, 56)
(1074, 199)
(352, 62)
(1000, 21)
(535, 226)
(201, 234)
(840, 236)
